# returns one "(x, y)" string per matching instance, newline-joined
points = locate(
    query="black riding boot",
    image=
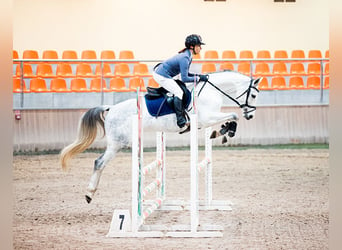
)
(178, 104)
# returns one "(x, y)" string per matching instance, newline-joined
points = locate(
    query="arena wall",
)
(40, 130)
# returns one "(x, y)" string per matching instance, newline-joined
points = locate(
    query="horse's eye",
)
(253, 95)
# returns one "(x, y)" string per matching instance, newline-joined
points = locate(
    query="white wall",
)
(155, 29)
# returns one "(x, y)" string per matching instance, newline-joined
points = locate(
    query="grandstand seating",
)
(244, 68)
(79, 85)
(246, 54)
(17, 88)
(296, 82)
(226, 66)
(97, 86)
(228, 54)
(107, 54)
(313, 82)
(59, 85)
(126, 54)
(44, 70)
(117, 84)
(38, 85)
(278, 83)
(50, 54)
(103, 69)
(300, 74)
(88, 54)
(263, 54)
(211, 54)
(208, 67)
(135, 83)
(30, 54)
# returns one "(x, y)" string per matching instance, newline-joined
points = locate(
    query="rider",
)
(179, 64)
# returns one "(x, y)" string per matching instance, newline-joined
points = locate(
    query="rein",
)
(247, 91)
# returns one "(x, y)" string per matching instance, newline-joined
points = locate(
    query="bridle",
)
(241, 105)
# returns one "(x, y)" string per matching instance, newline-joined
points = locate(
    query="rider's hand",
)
(203, 78)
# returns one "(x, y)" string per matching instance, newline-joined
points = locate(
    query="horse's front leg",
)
(228, 121)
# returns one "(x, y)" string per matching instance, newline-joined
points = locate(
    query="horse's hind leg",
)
(99, 165)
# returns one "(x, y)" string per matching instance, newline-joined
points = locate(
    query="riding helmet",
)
(193, 40)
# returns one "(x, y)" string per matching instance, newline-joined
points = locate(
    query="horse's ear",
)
(257, 81)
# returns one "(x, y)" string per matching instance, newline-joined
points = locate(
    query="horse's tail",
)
(87, 131)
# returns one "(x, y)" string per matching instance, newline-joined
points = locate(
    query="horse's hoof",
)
(232, 129)
(213, 134)
(224, 140)
(88, 198)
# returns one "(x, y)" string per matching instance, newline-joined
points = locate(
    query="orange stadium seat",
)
(30, 54)
(244, 68)
(327, 68)
(64, 70)
(50, 54)
(279, 68)
(228, 54)
(211, 54)
(278, 82)
(226, 66)
(27, 71)
(96, 86)
(78, 85)
(262, 69)
(118, 84)
(104, 69)
(326, 82)
(17, 88)
(326, 55)
(44, 70)
(208, 67)
(88, 54)
(135, 83)
(15, 54)
(107, 54)
(246, 54)
(122, 70)
(38, 85)
(263, 85)
(296, 82)
(298, 53)
(297, 68)
(263, 54)
(59, 85)
(313, 82)
(315, 54)
(314, 69)
(84, 70)
(197, 56)
(152, 83)
(69, 54)
(280, 54)
(126, 54)
(141, 69)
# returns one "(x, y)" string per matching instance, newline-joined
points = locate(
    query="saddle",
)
(159, 101)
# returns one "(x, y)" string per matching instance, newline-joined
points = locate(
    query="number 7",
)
(122, 217)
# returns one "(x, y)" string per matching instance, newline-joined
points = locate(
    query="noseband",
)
(247, 92)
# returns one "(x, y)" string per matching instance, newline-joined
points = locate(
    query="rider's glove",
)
(203, 78)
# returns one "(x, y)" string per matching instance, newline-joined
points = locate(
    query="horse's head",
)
(251, 94)
(239, 88)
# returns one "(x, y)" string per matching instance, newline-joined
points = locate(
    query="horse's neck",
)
(231, 82)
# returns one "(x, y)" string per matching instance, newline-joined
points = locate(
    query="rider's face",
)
(197, 49)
